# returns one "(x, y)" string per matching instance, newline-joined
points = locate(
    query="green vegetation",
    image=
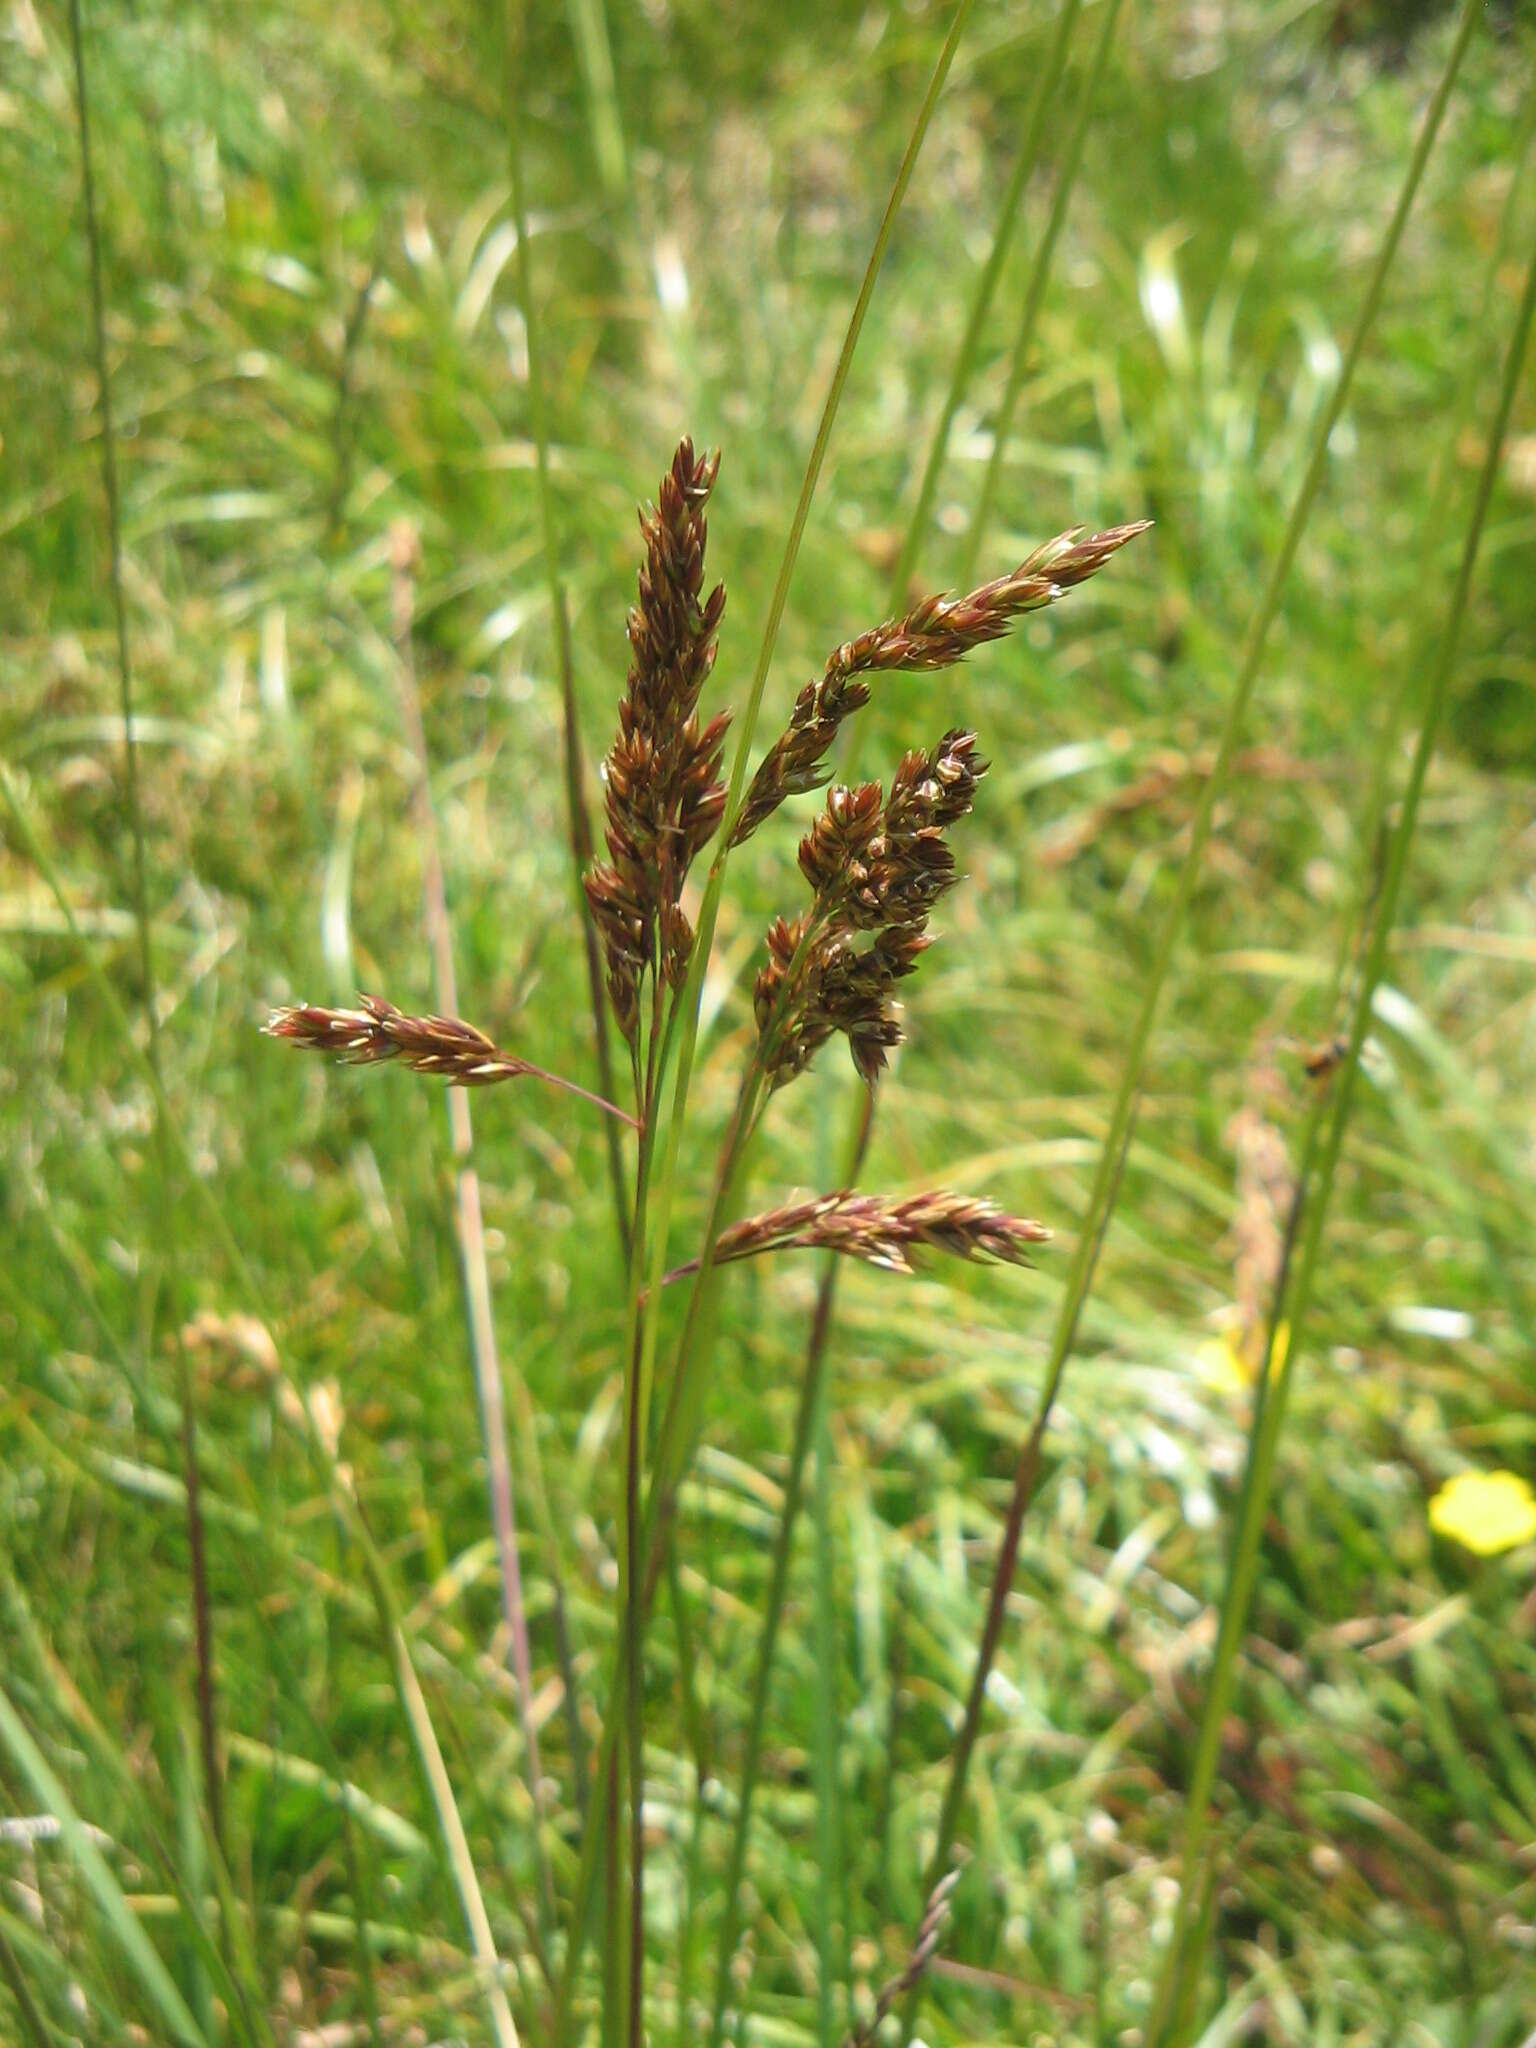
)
(1228, 1576)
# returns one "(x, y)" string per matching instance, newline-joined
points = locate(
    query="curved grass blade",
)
(981, 299)
(438, 1785)
(1034, 293)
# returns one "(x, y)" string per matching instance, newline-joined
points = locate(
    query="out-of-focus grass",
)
(312, 335)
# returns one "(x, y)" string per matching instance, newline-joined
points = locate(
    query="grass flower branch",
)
(446, 1047)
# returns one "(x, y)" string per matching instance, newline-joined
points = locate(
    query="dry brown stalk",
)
(929, 1934)
(875, 866)
(937, 633)
(664, 796)
(882, 1230)
(446, 1046)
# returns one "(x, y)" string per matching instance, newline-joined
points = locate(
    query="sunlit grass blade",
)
(1112, 1156)
(1034, 291)
(981, 299)
(1312, 1203)
(589, 31)
(578, 823)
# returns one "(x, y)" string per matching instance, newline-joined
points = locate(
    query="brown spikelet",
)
(883, 1230)
(935, 634)
(663, 794)
(457, 1052)
(875, 866)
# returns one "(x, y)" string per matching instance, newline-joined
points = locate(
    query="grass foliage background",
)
(313, 334)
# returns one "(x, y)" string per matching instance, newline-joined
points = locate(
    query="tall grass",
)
(191, 1922)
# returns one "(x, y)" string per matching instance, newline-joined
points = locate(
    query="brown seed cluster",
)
(883, 1231)
(877, 865)
(448, 1046)
(664, 796)
(937, 633)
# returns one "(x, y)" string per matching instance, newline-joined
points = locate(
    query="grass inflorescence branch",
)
(447, 1047)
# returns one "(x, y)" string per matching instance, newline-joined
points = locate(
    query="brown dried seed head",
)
(663, 795)
(874, 866)
(448, 1046)
(886, 1231)
(936, 633)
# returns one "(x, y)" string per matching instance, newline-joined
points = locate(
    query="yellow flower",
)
(1486, 1511)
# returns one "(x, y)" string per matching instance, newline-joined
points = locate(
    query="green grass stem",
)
(578, 823)
(981, 300)
(1034, 293)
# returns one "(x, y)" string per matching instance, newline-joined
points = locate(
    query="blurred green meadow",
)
(314, 333)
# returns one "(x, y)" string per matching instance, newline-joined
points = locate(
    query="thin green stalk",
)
(824, 1749)
(981, 299)
(1312, 1207)
(1111, 1160)
(778, 1583)
(578, 824)
(589, 31)
(337, 1490)
(631, 1577)
(202, 1611)
(698, 1743)
(686, 1009)
(474, 1267)
(1034, 293)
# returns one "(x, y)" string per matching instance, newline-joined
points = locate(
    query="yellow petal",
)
(1486, 1511)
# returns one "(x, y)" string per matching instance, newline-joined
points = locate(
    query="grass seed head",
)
(875, 865)
(882, 1230)
(447, 1046)
(936, 633)
(664, 797)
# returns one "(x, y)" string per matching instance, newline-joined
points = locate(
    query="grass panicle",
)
(663, 793)
(935, 634)
(446, 1047)
(882, 1230)
(877, 865)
